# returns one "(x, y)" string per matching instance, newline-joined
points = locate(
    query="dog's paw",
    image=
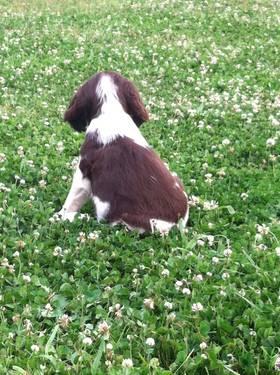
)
(63, 215)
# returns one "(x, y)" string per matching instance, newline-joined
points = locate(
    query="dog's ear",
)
(135, 106)
(83, 106)
(76, 113)
(130, 99)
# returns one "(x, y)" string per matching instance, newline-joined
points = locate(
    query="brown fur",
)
(134, 181)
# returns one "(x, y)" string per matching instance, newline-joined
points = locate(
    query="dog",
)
(127, 181)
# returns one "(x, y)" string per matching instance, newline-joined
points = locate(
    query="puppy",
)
(126, 180)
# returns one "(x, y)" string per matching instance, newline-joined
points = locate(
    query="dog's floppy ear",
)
(76, 113)
(135, 106)
(83, 106)
(130, 99)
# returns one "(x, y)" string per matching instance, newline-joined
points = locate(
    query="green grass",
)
(209, 73)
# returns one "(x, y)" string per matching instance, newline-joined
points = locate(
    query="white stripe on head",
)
(113, 121)
(106, 92)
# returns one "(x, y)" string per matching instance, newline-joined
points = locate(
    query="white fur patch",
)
(106, 91)
(79, 193)
(186, 217)
(102, 208)
(113, 121)
(161, 226)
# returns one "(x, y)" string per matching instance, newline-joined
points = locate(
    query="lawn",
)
(85, 298)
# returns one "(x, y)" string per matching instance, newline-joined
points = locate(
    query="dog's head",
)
(88, 101)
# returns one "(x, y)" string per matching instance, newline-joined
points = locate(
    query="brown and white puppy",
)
(118, 170)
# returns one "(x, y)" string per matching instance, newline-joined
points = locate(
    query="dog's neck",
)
(112, 124)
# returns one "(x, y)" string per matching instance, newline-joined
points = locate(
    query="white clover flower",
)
(272, 157)
(227, 252)
(208, 178)
(221, 173)
(149, 303)
(168, 305)
(103, 328)
(171, 317)
(154, 362)
(193, 201)
(42, 183)
(244, 196)
(26, 278)
(209, 274)
(213, 60)
(59, 146)
(225, 142)
(4, 188)
(27, 325)
(35, 348)
(252, 333)
(150, 341)
(198, 278)
(196, 307)
(215, 260)
(93, 236)
(30, 163)
(2, 158)
(64, 321)
(274, 121)
(11, 268)
(263, 229)
(225, 275)
(277, 251)
(165, 272)
(109, 346)
(204, 356)
(186, 291)
(127, 363)
(47, 310)
(261, 247)
(210, 240)
(178, 284)
(87, 341)
(118, 314)
(82, 237)
(200, 242)
(271, 142)
(5, 262)
(277, 363)
(20, 151)
(44, 170)
(203, 345)
(57, 251)
(210, 205)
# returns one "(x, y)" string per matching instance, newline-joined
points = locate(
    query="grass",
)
(83, 298)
